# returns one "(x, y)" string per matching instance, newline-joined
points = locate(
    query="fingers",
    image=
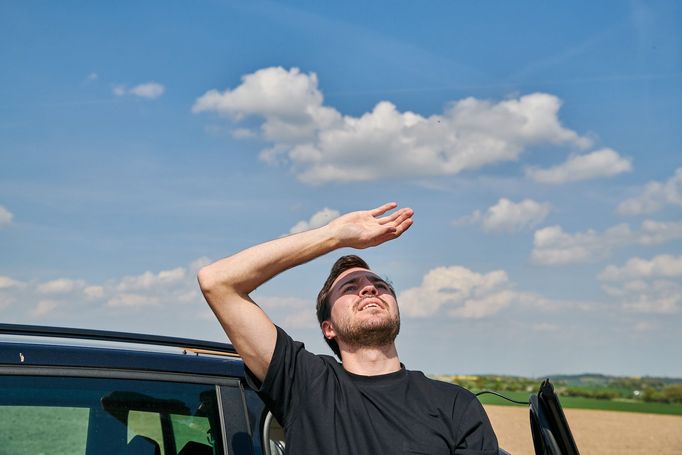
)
(396, 218)
(403, 226)
(383, 209)
(395, 229)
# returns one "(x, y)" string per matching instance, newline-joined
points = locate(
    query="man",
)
(368, 404)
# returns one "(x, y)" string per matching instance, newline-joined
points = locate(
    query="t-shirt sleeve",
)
(291, 368)
(475, 434)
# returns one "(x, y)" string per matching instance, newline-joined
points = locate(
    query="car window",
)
(43, 429)
(59, 415)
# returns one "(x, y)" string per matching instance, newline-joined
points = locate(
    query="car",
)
(68, 391)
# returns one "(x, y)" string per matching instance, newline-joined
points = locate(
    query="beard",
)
(368, 333)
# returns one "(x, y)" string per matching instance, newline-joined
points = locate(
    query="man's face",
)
(364, 311)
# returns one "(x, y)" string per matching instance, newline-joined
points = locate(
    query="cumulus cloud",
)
(289, 312)
(654, 196)
(119, 90)
(318, 219)
(147, 280)
(509, 216)
(5, 217)
(243, 133)
(646, 285)
(44, 308)
(132, 300)
(149, 90)
(198, 263)
(68, 298)
(7, 282)
(321, 145)
(664, 265)
(553, 246)
(601, 163)
(465, 293)
(149, 295)
(94, 292)
(61, 286)
(462, 293)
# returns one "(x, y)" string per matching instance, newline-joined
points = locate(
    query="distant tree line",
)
(649, 389)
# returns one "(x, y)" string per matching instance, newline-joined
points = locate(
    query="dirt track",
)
(595, 432)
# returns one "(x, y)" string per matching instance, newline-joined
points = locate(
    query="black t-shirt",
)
(327, 410)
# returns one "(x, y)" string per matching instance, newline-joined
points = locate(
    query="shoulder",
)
(452, 399)
(449, 388)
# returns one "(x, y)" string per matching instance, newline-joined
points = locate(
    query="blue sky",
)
(538, 145)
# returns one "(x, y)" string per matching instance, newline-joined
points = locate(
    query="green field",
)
(591, 403)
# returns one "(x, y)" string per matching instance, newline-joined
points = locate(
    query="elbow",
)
(207, 280)
(214, 284)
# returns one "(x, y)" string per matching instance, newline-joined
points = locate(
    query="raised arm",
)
(227, 283)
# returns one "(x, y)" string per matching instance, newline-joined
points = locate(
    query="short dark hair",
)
(324, 310)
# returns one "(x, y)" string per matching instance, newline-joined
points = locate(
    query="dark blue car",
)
(77, 391)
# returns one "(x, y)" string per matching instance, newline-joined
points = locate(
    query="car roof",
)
(43, 346)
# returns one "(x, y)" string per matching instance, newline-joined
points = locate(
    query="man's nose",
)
(369, 289)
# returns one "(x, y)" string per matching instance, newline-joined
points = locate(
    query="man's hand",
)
(369, 228)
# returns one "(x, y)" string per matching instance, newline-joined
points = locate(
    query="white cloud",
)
(94, 292)
(289, 312)
(664, 265)
(7, 282)
(60, 286)
(659, 297)
(276, 302)
(5, 217)
(119, 90)
(243, 133)
(553, 246)
(646, 286)
(601, 163)
(92, 76)
(300, 320)
(464, 293)
(321, 145)
(656, 232)
(132, 300)
(654, 196)
(44, 308)
(198, 263)
(149, 90)
(6, 301)
(148, 279)
(510, 216)
(318, 219)
(175, 288)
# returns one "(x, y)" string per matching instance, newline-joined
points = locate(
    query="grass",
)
(591, 403)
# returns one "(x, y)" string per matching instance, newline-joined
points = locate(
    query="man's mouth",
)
(372, 302)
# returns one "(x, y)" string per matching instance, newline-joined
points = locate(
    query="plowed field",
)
(595, 432)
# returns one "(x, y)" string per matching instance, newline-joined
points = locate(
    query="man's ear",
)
(328, 330)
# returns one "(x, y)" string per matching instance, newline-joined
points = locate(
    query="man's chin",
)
(373, 333)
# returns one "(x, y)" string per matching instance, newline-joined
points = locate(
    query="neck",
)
(370, 361)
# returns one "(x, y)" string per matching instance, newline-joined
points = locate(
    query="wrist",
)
(330, 237)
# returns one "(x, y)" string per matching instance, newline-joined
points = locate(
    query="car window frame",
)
(235, 430)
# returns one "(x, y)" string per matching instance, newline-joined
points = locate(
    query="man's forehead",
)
(354, 273)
